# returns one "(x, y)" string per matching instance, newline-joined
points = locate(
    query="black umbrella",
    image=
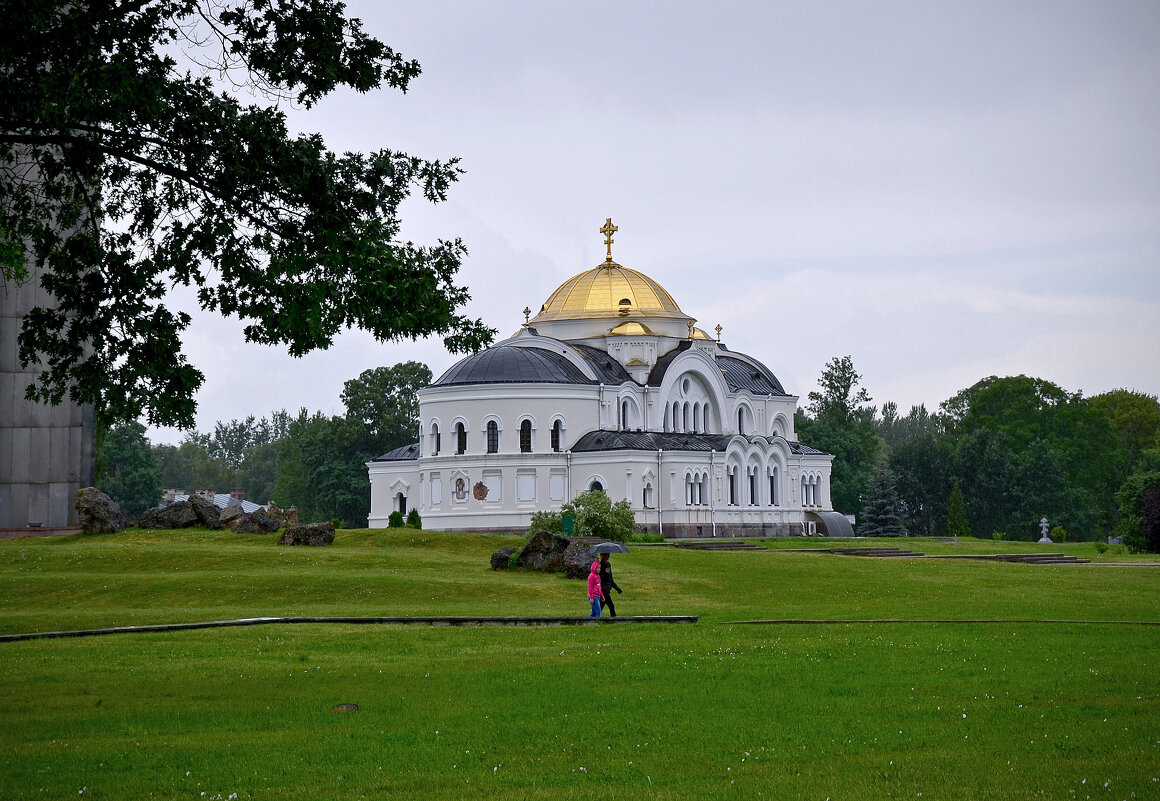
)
(607, 547)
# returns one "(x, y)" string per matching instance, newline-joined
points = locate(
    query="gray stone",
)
(229, 516)
(577, 561)
(502, 558)
(257, 522)
(544, 552)
(207, 513)
(98, 513)
(179, 514)
(308, 534)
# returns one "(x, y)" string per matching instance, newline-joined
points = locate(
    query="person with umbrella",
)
(607, 585)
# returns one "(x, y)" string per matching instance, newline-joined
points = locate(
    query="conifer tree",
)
(882, 509)
(957, 524)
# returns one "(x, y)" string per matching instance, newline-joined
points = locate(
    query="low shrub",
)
(413, 519)
(1058, 534)
(645, 537)
(395, 520)
(546, 522)
(998, 535)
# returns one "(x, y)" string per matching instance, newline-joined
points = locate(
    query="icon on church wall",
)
(460, 489)
(479, 490)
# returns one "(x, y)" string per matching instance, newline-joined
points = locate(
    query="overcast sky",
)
(943, 191)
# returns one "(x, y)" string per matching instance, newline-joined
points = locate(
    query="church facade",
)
(611, 386)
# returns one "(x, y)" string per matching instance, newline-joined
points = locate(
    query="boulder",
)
(544, 552)
(179, 514)
(206, 511)
(230, 516)
(577, 562)
(257, 522)
(98, 513)
(308, 534)
(502, 558)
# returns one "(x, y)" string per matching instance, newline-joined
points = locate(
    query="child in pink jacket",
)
(594, 589)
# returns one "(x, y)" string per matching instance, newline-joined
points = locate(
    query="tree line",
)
(310, 461)
(990, 462)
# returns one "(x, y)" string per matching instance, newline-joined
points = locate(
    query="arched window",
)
(596, 486)
(752, 475)
(492, 436)
(732, 486)
(526, 436)
(624, 415)
(460, 438)
(557, 429)
(740, 421)
(686, 423)
(434, 439)
(696, 418)
(677, 417)
(647, 498)
(705, 412)
(773, 501)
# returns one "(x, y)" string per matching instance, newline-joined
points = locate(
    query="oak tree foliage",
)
(143, 146)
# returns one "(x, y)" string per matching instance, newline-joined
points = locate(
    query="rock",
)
(98, 513)
(308, 534)
(179, 514)
(502, 558)
(577, 562)
(257, 522)
(230, 516)
(544, 552)
(206, 511)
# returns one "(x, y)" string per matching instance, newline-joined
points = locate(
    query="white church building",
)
(610, 386)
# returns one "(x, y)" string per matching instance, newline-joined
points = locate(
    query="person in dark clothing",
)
(607, 585)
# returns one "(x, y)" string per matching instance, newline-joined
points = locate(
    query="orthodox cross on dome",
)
(608, 229)
(718, 332)
(527, 314)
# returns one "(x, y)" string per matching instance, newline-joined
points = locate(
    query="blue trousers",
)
(595, 607)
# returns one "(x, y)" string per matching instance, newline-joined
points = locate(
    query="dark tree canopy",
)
(124, 173)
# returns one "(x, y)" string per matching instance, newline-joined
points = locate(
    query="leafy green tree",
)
(1139, 507)
(189, 467)
(126, 469)
(1135, 417)
(385, 403)
(842, 424)
(125, 173)
(322, 470)
(957, 523)
(921, 467)
(597, 516)
(882, 511)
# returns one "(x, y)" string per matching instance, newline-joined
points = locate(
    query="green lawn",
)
(712, 710)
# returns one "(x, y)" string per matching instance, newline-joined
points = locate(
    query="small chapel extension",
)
(610, 386)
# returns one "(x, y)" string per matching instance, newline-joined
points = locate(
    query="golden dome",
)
(699, 334)
(631, 328)
(609, 290)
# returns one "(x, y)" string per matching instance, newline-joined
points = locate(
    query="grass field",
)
(718, 709)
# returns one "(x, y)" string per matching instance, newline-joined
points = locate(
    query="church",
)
(611, 387)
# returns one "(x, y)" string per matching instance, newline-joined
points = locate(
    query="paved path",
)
(405, 621)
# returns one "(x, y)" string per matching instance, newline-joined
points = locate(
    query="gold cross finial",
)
(718, 332)
(527, 314)
(608, 230)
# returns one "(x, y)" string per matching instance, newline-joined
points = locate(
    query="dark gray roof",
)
(607, 368)
(739, 373)
(805, 450)
(743, 375)
(509, 364)
(400, 454)
(658, 372)
(649, 441)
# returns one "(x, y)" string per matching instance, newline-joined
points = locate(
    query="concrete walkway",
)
(395, 621)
